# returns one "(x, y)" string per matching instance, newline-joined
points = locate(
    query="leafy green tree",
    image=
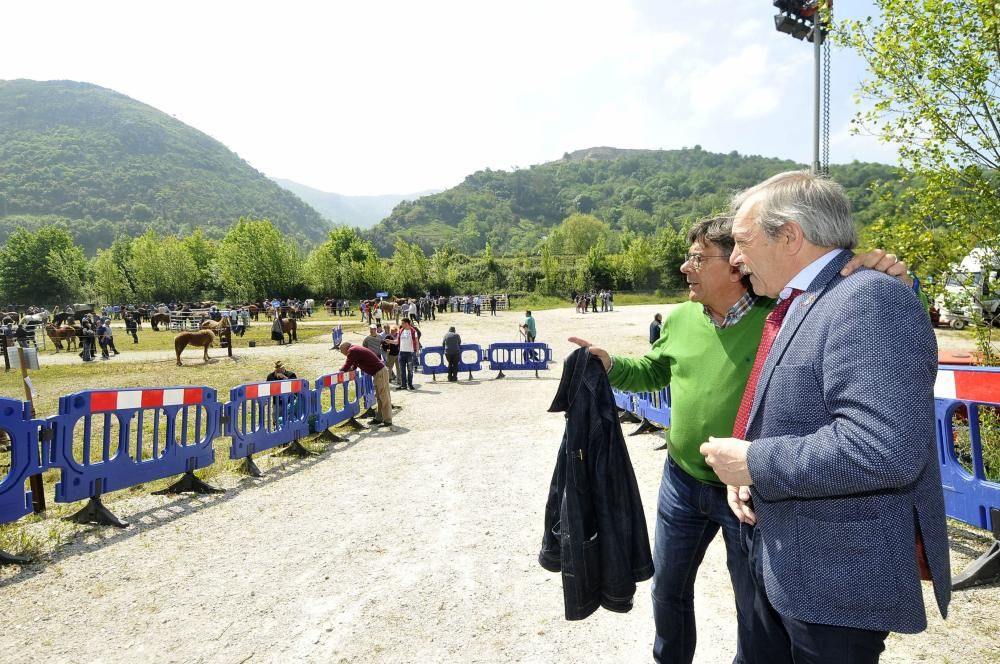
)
(43, 267)
(597, 267)
(578, 233)
(109, 273)
(409, 269)
(549, 284)
(335, 268)
(933, 73)
(254, 260)
(202, 252)
(163, 269)
(637, 263)
(442, 272)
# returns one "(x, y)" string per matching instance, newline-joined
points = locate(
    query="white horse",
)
(40, 317)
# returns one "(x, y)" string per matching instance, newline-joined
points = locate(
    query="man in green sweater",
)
(705, 352)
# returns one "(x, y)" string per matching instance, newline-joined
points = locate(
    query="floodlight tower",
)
(810, 20)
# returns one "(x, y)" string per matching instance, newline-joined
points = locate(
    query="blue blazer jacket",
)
(843, 456)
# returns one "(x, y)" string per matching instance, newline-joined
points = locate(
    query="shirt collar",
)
(803, 280)
(735, 313)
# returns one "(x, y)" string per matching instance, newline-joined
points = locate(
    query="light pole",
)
(809, 19)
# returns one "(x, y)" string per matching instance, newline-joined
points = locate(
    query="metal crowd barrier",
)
(433, 361)
(129, 437)
(260, 416)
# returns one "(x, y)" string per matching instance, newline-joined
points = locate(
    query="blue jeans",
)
(406, 369)
(688, 515)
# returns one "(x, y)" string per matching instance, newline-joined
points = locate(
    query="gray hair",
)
(818, 204)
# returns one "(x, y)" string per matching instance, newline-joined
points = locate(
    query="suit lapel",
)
(804, 304)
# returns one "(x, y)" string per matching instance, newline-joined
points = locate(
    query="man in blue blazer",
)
(836, 441)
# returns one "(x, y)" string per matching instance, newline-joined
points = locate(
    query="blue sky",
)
(398, 97)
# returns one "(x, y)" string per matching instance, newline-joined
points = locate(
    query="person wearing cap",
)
(280, 372)
(452, 352)
(359, 357)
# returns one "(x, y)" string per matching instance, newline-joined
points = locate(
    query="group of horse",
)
(66, 327)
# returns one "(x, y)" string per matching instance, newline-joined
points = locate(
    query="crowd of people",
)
(590, 300)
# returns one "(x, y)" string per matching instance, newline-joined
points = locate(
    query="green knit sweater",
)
(706, 369)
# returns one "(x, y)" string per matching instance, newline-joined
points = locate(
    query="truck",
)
(971, 291)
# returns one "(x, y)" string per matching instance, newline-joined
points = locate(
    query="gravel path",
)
(417, 544)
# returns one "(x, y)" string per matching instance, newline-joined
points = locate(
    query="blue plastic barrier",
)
(518, 356)
(130, 437)
(26, 459)
(260, 416)
(968, 496)
(624, 400)
(113, 427)
(332, 384)
(654, 406)
(439, 364)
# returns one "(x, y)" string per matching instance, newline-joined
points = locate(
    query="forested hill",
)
(641, 191)
(101, 162)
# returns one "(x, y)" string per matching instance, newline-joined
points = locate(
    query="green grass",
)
(223, 373)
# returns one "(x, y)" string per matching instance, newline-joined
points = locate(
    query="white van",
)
(971, 291)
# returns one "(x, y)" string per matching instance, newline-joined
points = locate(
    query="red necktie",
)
(772, 325)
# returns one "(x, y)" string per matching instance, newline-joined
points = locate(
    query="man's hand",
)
(594, 350)
(728, 458)
(877, 259)
(739, 502)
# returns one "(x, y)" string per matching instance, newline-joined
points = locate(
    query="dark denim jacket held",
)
(595, 529)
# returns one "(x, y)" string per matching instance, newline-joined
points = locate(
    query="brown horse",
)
(63, 333)
(159, 319)
(290, 327)
(203, 338)
(215, 325)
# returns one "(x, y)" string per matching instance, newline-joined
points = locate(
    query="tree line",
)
(256, 260)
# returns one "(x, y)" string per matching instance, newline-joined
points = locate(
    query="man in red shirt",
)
(359, 357)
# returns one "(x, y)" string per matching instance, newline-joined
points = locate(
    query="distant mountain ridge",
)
(107, 163)
(636, 192)
(357, 211)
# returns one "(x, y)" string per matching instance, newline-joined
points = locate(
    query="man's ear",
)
(791, 237)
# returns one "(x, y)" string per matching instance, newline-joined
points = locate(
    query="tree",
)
(637, 263)
(409, 269)
(550, 272)
(43, 267)
(579, 232)
(202, 251)
(162, 268)
(335, 268)
(255, 261)
(934, 67)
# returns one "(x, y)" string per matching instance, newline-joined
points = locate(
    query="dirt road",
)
(412, 545)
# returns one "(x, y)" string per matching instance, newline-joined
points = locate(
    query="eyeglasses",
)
(697, 260)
